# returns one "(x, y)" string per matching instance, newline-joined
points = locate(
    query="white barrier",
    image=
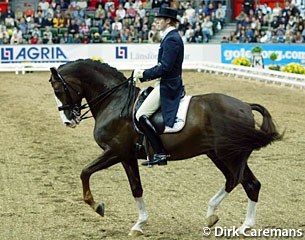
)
(271, 76)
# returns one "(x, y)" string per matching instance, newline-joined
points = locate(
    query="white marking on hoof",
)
(212, 220)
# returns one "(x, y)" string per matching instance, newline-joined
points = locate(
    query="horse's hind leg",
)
(252, 187)
(231, 183)
(132, 170)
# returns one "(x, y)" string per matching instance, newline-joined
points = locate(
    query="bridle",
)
(75, 108)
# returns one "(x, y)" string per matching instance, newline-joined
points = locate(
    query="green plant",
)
(241, 61)
(273, 57)
(256, 50)
(294, 68)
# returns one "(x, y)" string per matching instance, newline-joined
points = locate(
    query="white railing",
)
(266, 75)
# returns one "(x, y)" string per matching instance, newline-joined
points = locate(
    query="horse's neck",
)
(100, 101)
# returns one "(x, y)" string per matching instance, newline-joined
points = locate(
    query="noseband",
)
(76, 108)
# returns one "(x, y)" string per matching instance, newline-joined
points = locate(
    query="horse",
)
(222, 127)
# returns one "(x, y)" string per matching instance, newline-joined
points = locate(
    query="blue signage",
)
(32, 54)
(121, 52)
(285, 53)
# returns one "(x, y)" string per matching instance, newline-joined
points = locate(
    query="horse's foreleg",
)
(136, 230)
(132, 170)
(104, 161)
(252, 187)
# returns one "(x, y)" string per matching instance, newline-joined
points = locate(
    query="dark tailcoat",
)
(169, 69)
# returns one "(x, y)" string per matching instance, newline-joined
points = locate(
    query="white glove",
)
(137, 74)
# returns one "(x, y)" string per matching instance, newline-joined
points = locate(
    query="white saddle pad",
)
(181, 116)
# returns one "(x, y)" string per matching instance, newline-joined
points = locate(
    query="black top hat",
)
(167, 13)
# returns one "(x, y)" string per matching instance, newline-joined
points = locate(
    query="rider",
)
(168, 89)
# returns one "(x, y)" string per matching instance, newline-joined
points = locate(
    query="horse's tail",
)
(268, 128)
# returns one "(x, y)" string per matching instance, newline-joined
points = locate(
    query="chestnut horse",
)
(220, 126)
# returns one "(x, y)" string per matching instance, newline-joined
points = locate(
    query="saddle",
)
(157, 119)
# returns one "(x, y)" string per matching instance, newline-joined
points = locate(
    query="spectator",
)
(76, 39)
(15, 39)
(58, 21)
(36, 31)
(1, 15)
(88, 21)
(198, 33)
(18, 13)
(23, 26)
(116, 24)
(9, 21)
(48, 33)
(220, 14)
(131, 12)
(108, 4)
(143, 34)
(190, 14)
(83, 28)
(141, 11)
(207, 29)
(73, 28)
(210, 9)
(46, 39)
(49, 11)
(277, 10)
(44, 6)
(112, 11)
(188, 31)
(3, 35)
(298, 37)
(96, 38)
(9, 11)
(31, 25)
(265, 8)
(85, 39)
(99, 15)
(53, 4)
(181, 33)
(115, 33)
(66, 38)
(63, 4)
(153, 35)
(82, 4)
(48, 22)
(137, 5)
(35, 39)
(29, 12)
(248, 5)
(56, 39)
(120, 12)
(191, 38)
(39, 20)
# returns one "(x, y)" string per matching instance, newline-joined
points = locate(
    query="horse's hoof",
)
(100, 209)
(135, 233)
(212, 220)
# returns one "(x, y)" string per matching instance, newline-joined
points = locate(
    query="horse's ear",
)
(54, 71)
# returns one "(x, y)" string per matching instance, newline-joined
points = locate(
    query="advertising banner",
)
(285, 53)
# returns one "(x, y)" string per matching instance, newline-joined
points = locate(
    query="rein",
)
(101, 97)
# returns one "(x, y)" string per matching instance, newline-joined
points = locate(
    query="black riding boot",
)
(155, 141)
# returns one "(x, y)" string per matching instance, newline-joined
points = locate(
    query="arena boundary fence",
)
(258, 74)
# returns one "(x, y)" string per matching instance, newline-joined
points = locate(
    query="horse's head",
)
(68, 95)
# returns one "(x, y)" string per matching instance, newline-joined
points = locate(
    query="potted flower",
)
(273, 57)
(257, 50)
(257, 59)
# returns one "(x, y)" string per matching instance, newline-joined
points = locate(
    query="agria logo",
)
(36, 54)
(6, 54)
(121, 52)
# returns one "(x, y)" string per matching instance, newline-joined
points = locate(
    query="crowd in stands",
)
(270, 25)
(105, 21)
